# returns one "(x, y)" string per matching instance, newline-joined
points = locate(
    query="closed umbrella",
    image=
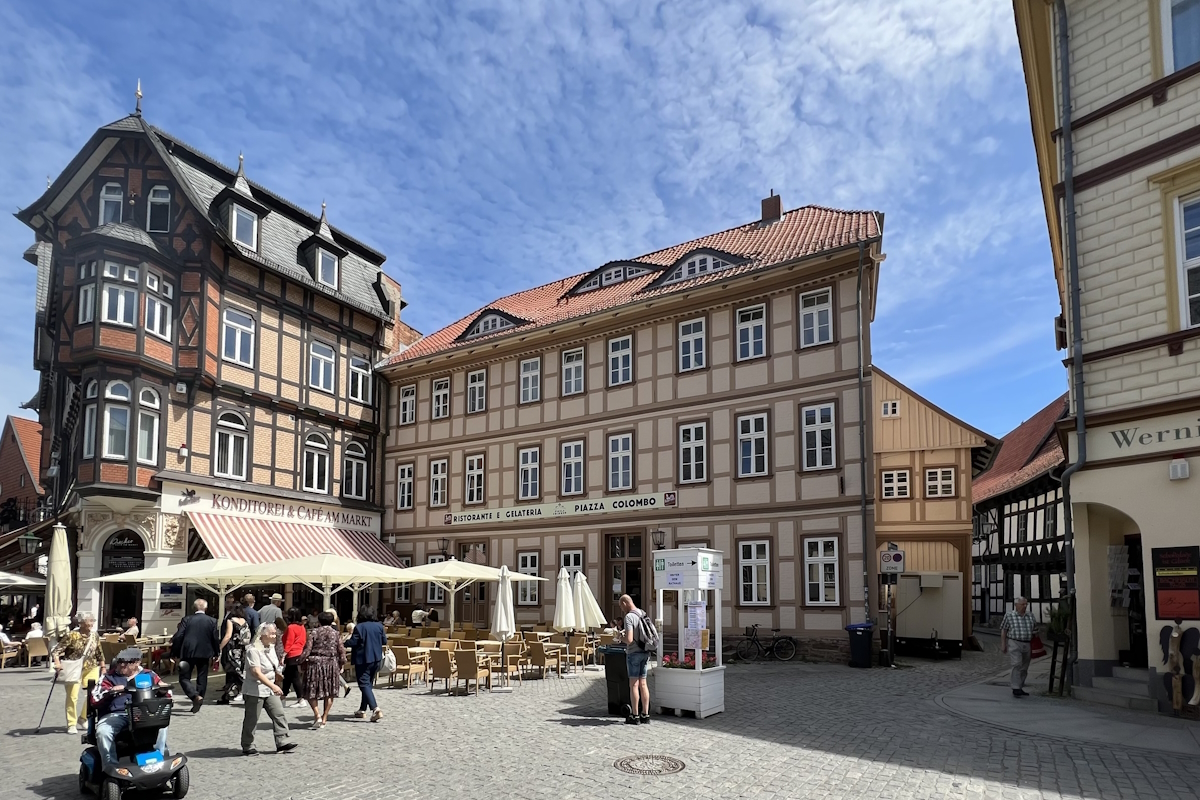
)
(504, 622)
(564, 604)
(57, 611)
(590, 615)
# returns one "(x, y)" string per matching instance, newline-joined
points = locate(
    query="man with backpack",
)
(640, 637)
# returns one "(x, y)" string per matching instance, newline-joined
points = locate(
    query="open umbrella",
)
(504, 619)
(564, 604)
(452, 575)
(57, 611)
(199, 573)
(10, 580)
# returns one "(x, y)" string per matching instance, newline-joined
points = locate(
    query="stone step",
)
(1122, 686)
(1113, 699)
(1131, 674)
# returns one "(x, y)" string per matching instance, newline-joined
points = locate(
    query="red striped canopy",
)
(258, 541)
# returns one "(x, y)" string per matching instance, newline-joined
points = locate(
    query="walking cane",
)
(43, 719)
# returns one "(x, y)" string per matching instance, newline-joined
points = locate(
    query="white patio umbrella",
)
(452, 575)
(504, 619)
(587, 611)
(200, 573)
(57, 610)
(10, 580)
(564, 603)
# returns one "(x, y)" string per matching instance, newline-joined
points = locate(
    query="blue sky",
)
(489, 147)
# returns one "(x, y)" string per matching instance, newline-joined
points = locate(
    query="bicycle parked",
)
(781, 647)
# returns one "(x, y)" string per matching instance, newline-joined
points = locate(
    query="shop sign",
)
(1170, 434)
(524, 513)
(179, 498)
(1176, 572)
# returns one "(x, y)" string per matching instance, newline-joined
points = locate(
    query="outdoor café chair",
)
(468, 668)
(109, 650)
(558, 638)
(430, 643)
(447, 644)
(580, 646)
(441, 668)
(37, 647)
(408, 666)
(10, 652)
(541, 627)
(542, 660)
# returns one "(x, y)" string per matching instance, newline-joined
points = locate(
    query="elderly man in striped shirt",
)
(1016, 632)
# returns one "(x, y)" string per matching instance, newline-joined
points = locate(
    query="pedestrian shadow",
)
(212, 752)
(45, 731)
(57, 787)
(588, 722)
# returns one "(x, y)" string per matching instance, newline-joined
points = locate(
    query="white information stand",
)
(693, 573)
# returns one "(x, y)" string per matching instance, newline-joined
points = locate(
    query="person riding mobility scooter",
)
(128, 715)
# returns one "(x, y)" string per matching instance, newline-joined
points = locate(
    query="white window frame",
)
(89, 431)
(322, 366)
(572, 468)
(231, 427)
(529, 473)
(697, 265)
(811, 435)
(1168, 36)
(473, 479)
(109, 452)
(405, 486)
(434, 593)
(111, 270)
(408, 404)
(751, 332)
(159, 200)
(488, 324)
(528, 563)
(894, 484)
(620, 361)
(107, 197)
(360, 380)
(322, 255)
(756, 556)
(126, 310)
(753, 444)
(439, 470)
(1186, 265)
(572, 560)
(574, 367)
(87, 303)
(403, 591)
(477, 391)
(233, 226)
(439, 401)
(354, 471)
(147, 437)
(811, 321)
(243, 337)
(821, 561)
(158, 317)
(620, 462)
(890, 408)
(531, 380)
(939, 482)
(693, 452)
(691, 345)
(316, 454)
(118, 390)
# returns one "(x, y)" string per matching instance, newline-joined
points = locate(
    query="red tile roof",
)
(800, 232)
(29, 435)
(1028, 451)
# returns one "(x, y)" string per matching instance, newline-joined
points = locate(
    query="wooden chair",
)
(530, 636)
(468, 626)
(129, 638)
(468, 669)
(558, 638)
(409, 666)
(441, 668)
(10, 652)
(112, 637)
(447, 644)
(579, 649)
(426, 643)
(109, 649)
(541, 627)
(408, 641)
(543, 660)
(37, 647)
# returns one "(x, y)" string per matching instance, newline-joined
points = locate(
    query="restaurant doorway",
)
(471, 601)
(122, 552)
(623, 570)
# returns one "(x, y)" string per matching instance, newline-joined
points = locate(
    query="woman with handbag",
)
(77, 660)
(235, 640)
(366, 645)
(323, 658)
(294, 639)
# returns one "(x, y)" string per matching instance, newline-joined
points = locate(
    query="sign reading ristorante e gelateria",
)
(581, 507)
(1168, 434)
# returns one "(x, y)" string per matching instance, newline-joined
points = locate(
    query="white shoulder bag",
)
(72, 669)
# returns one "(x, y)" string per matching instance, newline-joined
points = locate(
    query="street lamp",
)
(29, 543)
(659, 538)
(444, 545)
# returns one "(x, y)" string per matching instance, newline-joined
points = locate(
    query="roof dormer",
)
(490, 321)
(611, 273)
(699, 262)
(323, 255)
(241, 215)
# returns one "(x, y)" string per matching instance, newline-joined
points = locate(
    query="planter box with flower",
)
(677, 685)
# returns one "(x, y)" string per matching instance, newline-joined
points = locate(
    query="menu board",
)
(1176, 582)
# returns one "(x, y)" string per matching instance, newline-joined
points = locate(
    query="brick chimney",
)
(772, 208)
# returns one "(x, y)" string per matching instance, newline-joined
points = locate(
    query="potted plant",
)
(676, 684)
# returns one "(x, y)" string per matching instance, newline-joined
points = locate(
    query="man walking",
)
(1016, 632)
(251, 614)
(196, 643)
(272, 613)
(637, 660)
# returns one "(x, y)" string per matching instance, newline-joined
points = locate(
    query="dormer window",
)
(610, 276)
(158, 214)
(591, 283)
(327, 268)
(697, 265)
(243, 226)
(112, 197)
(489, 324)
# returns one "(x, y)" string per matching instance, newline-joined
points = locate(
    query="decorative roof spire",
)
(241, 163)
(323, 230)
(138, 95)
(240, 185)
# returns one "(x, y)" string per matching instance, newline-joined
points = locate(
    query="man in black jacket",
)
(196, 643)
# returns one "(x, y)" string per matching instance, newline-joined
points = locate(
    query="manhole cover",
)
(649, 765)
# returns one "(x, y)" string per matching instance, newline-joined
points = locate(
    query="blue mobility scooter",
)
(139, 764)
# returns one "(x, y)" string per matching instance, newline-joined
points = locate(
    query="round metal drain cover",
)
(649, 765)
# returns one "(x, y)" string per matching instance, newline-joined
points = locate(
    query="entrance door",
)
(471, 602)
(623, 570)
(1136, 584)
(123, 552)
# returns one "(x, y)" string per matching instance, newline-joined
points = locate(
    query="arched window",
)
(354, 472)
(316, 464)
(147, 452)
(116, 420)
(158, 214)
(231, 447)
(92, 391)
(148, 398)
(112, 197)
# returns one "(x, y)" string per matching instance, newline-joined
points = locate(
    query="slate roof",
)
(125, 232)
(800, 232)
(29, 437)
(1027, 452)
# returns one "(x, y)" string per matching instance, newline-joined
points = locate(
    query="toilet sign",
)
(689, 568)
(891, 561)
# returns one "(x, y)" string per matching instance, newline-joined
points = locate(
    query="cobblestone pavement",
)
(789, 730)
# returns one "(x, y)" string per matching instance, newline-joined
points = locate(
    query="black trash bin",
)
(860, 644)
(616, 675)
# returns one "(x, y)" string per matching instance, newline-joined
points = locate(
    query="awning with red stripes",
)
(257, 541)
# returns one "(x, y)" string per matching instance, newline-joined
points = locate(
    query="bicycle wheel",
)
(785, 649)
(747, 650)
